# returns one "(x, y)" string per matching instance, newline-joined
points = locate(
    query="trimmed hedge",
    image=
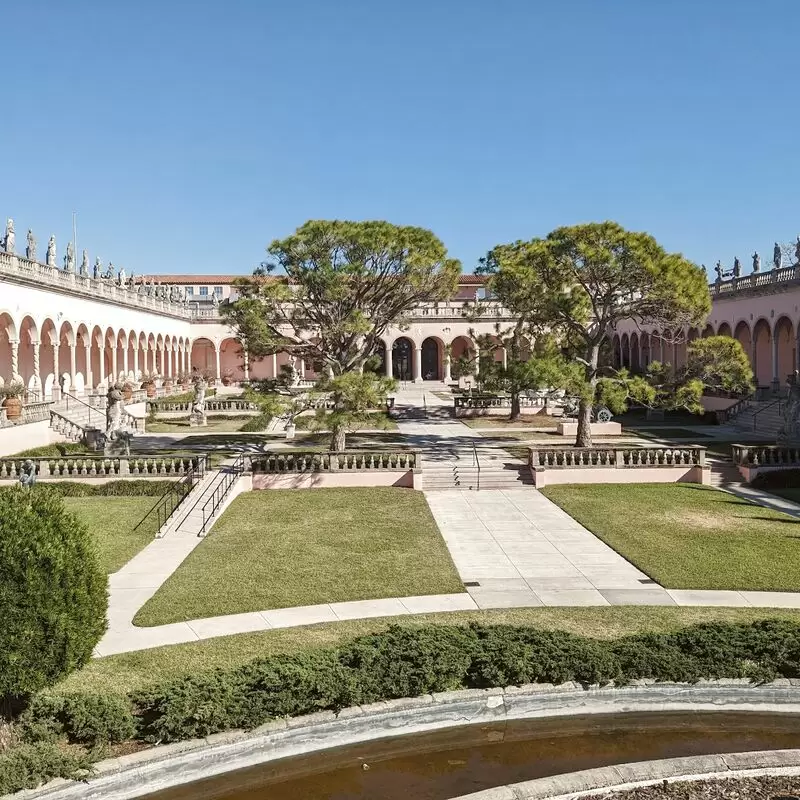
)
(256, 424)
(399, 662)
(777, 479)
(27, 766)
(127, 488)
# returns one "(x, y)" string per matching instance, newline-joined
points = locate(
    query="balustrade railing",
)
(66, 427)
(36, 412)
(140, 466)
(748, 455)
(210, 405)
(615, 457)
(478, 402)
(295, 461)
(755, 279)
(17, 266)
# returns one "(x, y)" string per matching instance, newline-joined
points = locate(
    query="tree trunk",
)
(338, 439)
(584, 437)
(515, 410)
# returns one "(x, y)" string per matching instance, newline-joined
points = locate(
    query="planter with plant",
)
(149, 383)
(12, 394)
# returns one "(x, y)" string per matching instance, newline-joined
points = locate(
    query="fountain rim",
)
(172, 765)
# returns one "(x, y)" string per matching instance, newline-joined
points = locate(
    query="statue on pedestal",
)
(797, 251)
(756, 262)
(197, 415)
(115, 403)
(69, 258)
(121, 279)
(27, 474)
(9, 242)
(737, 268)
(96, 269)
(777, 256)
(30, 249)
(108, 275)
(718, 270)
(84, 268)
(51, 252)
(294, 375)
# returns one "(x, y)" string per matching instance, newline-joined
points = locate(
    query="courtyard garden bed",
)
(689, 537)
(219, 424)
(281, 548)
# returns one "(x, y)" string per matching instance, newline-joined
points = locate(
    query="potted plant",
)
(149, 383)
(12, 394)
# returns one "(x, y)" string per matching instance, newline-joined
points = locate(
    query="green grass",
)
(690, 537)
(226, 424)
(278, 548)
(110, 520)
(130, 671)
(532, 420)
(669, 433)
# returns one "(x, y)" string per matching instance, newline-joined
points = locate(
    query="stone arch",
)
(379, 356)
(744, 337)
(204, 356)
(48, 368)
(724, 329)
(462, 352)
(636, 365)
(30, 354)
(141, 346)
(644, 347)
(616, 352)
(151, 354)
(231, 360)
(786, 344)
(83, 361)
(403, 354)
(625, 351)
(708, 331)
(762, 352)
(8, 341)
(432, 355)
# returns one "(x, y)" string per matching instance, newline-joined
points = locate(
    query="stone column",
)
(73, 366)
(505, 358)
(246, 366)
(136, 361)
(418, 364)
(89, 377)
(448, 376)
(776, 381)
(102, 363)
(303, 368)
(169, 362)
(56, 367)
(217, 354)
(161, 371)
(274, 365)
(14, 358)
(114, 370)
(477, 362)
(36, 373)
(125, 364)
(388, 362)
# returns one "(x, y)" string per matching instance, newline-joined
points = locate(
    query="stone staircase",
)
(763, 418)
(723, 473)
(497, 471)
(71, 417)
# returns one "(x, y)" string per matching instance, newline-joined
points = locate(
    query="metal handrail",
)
(162, 507)
(91, 408)
(778, 403)
(234, 471)
(476, 462)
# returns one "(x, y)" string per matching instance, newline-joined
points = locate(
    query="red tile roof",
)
(224, 280)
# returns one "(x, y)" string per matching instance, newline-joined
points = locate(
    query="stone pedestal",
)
(94, 439)
(197, 420)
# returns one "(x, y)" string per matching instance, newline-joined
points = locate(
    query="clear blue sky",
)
(188, 135)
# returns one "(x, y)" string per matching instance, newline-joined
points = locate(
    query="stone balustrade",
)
(747, 455)
(301, 461)
(3, 418)
(220, 405)
(479, 402)
(755, 280)
(66, 427)
(615, 457)
(19, 268)
(138, 466)
(37, 411)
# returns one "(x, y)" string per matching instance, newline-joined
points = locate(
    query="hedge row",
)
(184, 397)
(777, 479)
(256, 424)
(126, 488)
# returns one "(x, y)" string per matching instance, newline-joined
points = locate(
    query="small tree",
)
(52, 592)
(581, 281)
(331, 290)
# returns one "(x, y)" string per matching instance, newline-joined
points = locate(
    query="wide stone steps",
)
(508, 476)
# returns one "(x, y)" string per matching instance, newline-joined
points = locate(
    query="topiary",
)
(52, 593)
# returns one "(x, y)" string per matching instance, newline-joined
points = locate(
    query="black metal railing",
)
(76, 401)
(230, 474)
(774, 403)
(170, 501)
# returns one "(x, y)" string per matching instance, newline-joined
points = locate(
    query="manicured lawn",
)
(690, 537)
(110, 521)
(128, 671)
(226, 424)
(532, 420)
(670, 433)
(280, 548)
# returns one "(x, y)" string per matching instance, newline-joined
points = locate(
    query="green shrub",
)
(777, 479)
(406, 662)
(27, 766)
(89, 719)
(56, 450)
(52, 592)
(509, 656)
(256, 424)
(184, 397)
(126, 488)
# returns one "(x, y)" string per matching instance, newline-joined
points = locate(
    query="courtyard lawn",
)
(129, 671)
(690, 537)
(227, 424)
(111, 520)
(290, 547)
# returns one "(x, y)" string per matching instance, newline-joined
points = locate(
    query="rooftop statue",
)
(121, 279)
(51, 252)
(797, 250)
(718, 270)
(737, 268)
(84, 268)
(9, 242)
(30, 249)
(777, 256)
(69, 258)
(756, 262)
(97, 268)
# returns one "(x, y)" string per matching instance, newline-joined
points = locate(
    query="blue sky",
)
(188, 135)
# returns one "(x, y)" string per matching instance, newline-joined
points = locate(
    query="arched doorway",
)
(762, 352)
(635, 353)
(377, 359)
(431, 359)
(785, 342)
(402, 359)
